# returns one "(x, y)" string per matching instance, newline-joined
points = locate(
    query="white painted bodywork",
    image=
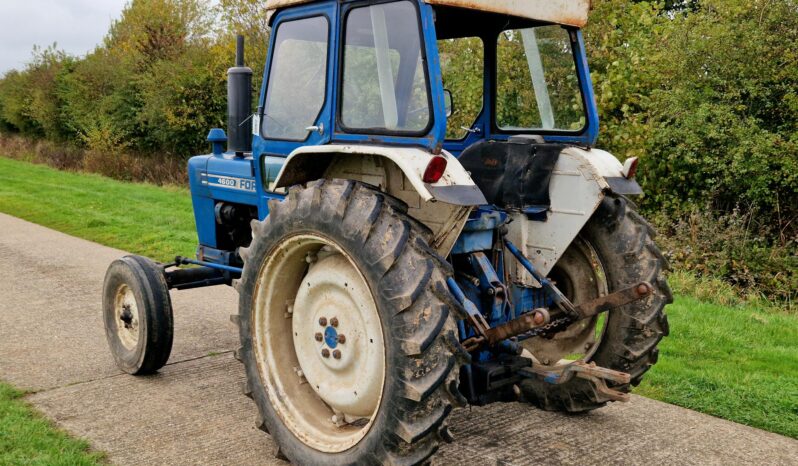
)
(412, 161)
(577, 188)
(399, 172)
(567, 12)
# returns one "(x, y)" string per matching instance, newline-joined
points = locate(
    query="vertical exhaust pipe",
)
(239, 104)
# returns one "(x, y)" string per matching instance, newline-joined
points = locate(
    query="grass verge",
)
(28, 438)
(726, 357)
(153, 221)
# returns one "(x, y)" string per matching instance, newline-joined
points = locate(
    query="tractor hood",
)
(566, 12)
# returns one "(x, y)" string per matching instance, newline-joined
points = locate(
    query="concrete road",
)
(192, 412)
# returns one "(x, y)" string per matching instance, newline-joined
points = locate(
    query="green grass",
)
(27, 438)
(726, 357)
(149, 220)
(739, 363)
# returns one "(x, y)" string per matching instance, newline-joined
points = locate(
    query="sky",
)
(77, 26)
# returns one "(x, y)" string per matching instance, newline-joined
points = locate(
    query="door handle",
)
(316, 129)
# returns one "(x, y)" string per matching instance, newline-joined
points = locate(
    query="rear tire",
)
(422, 357)
(137, 312)
(624, 244)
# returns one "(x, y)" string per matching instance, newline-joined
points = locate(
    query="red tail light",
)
(630, 168)
(435, 169)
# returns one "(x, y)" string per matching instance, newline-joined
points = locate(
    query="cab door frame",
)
(269, 154)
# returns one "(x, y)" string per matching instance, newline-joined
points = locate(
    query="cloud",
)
(77, 26)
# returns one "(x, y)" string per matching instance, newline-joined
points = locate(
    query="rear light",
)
(435, 169)
(630, 168)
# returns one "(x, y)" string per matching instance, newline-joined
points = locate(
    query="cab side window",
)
(462, 66)
(297, 79)
(385, 86)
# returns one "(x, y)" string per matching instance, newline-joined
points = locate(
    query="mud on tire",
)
(624, 243)
(407, 279)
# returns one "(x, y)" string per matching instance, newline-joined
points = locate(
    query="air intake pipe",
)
(239, 104)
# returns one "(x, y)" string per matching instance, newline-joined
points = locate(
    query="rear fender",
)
(580, 181)
(443, 206)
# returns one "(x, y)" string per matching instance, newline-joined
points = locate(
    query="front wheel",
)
(137, 313)
(347, 335)
(615, 250)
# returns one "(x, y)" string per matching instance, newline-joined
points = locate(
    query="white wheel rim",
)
(326, 392)
(126, 315)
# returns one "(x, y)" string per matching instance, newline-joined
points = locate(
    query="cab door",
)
(295, 102)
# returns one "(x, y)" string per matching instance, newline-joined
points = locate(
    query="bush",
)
(734, 247)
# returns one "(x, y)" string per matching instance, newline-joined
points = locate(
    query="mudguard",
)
(455, 187)
(443, 206)
(579, 182)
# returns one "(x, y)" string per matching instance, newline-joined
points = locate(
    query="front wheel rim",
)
(126, 317)
(318, 342)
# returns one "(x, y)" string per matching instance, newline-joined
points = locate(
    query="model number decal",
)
(229, 182)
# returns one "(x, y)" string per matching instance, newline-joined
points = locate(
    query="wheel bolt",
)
(334, 321)
(342, 338)
(538, 318)
(319, 337)
(337, 354)
(325, 353)
(323, 321)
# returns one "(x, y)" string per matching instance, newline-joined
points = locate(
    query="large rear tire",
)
(383, 398)
(615, 250)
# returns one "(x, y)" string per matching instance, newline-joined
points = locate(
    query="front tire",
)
(358, 246)
(137, 312)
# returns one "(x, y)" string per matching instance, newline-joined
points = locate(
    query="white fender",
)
(455, 187)
(399, 171)
(579, 182)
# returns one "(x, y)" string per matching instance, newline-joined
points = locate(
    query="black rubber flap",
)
(512, 175)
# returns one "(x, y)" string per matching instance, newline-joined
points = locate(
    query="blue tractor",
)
(393, 264)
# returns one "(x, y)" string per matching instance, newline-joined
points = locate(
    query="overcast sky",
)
(76, 25)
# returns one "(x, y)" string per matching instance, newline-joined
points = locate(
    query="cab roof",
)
(566, 12)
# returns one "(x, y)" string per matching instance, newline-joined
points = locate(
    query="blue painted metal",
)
(478, 232)
(492, 289)
(525, 262)
(226, 268)
(331, 336)
(217, 138)
(469, 306)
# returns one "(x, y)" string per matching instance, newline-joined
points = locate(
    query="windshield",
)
(384, 81)
(537, 84)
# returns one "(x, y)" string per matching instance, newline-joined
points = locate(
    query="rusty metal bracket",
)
(613, 300)
(588, 371)
(529, 321)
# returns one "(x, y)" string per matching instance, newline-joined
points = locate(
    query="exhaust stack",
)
(239, 104)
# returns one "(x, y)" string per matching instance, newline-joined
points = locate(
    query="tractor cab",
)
(427, 74)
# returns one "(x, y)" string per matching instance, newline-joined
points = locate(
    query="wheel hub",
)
(346, 368)
(127, 327)
(331, 337)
